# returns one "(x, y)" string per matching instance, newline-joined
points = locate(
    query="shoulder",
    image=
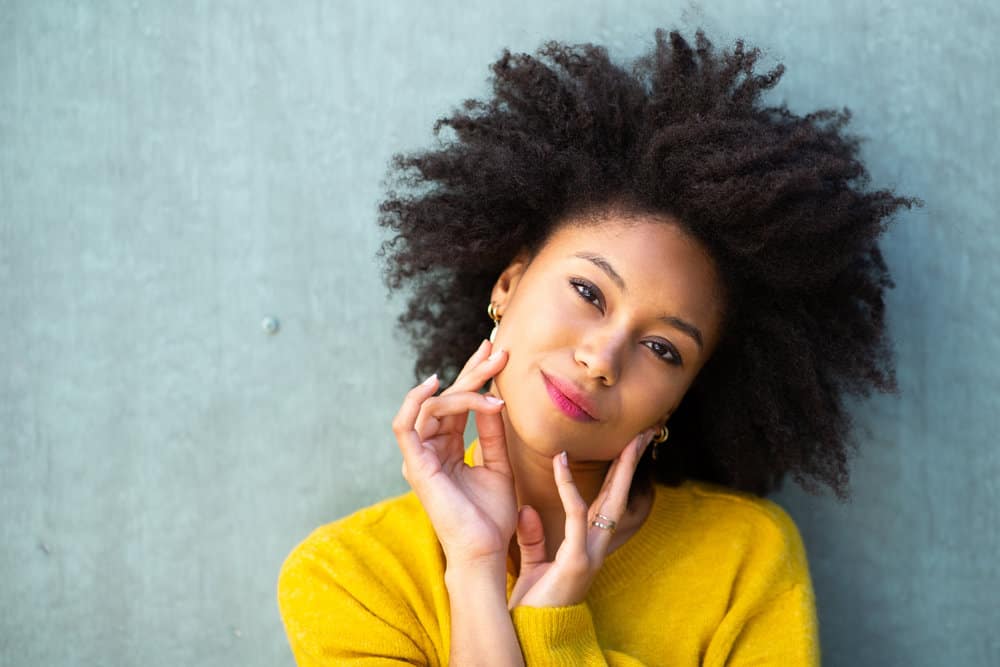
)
(388, 529)
(369, 583)
(380, 521)
(384, 543)
(733, 508)
(755, 560)
(745, 531)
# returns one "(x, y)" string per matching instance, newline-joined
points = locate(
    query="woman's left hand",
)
(565, 580)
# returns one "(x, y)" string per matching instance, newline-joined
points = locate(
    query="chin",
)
(548, 434)
(538, 435)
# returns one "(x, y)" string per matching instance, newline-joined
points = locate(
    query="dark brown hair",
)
(781, 202)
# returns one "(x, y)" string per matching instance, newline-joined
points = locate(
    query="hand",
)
(473, 508)
(565, 580)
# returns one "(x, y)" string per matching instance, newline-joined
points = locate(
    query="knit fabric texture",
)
(713, 577)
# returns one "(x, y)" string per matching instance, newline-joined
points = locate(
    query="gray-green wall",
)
(172, 173)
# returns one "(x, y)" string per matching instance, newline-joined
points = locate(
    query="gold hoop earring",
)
(660, 437)
(491, 310)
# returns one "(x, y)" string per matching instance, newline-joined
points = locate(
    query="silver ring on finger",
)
(604, 522)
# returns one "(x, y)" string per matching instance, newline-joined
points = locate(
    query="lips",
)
(573, 402)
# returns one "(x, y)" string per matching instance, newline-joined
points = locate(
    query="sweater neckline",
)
(645, 551)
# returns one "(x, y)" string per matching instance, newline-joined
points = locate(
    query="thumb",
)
(530, 537)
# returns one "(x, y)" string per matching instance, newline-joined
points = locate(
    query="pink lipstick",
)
(565, 404)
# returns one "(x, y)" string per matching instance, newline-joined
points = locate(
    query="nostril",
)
(599, 369)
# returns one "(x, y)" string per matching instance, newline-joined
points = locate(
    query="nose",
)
(600, 352)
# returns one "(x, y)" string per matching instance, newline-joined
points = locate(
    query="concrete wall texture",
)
(172, 173)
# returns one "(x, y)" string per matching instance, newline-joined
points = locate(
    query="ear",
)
(506, 284)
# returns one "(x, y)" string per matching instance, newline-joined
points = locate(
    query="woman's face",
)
(606, 328)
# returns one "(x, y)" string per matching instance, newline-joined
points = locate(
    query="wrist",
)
(477, 573)
(482, 632)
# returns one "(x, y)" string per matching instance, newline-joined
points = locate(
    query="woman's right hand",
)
(473, 508)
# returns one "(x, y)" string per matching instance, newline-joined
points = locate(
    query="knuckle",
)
(576, 508)
(399, 425)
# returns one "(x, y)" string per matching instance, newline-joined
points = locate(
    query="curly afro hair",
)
(779, 200)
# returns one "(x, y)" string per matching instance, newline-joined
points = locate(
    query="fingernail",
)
(430, 380)
(497, 351)
(494, 400)
(481, 345)
(564, 458)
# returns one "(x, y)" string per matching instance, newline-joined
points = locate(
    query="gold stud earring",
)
(661, 436)
(491, 310)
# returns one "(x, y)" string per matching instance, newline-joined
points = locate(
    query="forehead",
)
(661, 264)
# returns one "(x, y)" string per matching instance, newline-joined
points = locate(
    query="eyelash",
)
(579, 285)
(670, 355)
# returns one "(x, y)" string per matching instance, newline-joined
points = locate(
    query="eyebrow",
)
(605, 266)
(672, 320)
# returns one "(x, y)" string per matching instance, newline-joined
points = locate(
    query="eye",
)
(665, 352)
(588, 292)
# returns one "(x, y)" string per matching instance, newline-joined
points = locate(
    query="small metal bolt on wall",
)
(270, 325)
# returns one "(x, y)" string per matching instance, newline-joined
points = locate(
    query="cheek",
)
(652, 397)
(542, 319)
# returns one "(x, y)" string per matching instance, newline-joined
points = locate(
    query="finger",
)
(426, 427)
(403, 424)
(602, 495)
(481, 353)
(618, 479)
(426, 466)
(573, 504)
(435, 409)
(477, 374)
(618, 483)
(493, 441)
(421, 462)
(530, 537)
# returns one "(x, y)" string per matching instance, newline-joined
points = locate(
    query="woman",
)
(684, 284)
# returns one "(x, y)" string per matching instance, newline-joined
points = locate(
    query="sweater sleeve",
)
(327, 625)
(563, 636)
(784, 632)
(771, 618)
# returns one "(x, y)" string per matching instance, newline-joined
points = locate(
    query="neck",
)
(534, 485)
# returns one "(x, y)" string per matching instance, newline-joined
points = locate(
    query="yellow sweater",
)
(713, 577)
